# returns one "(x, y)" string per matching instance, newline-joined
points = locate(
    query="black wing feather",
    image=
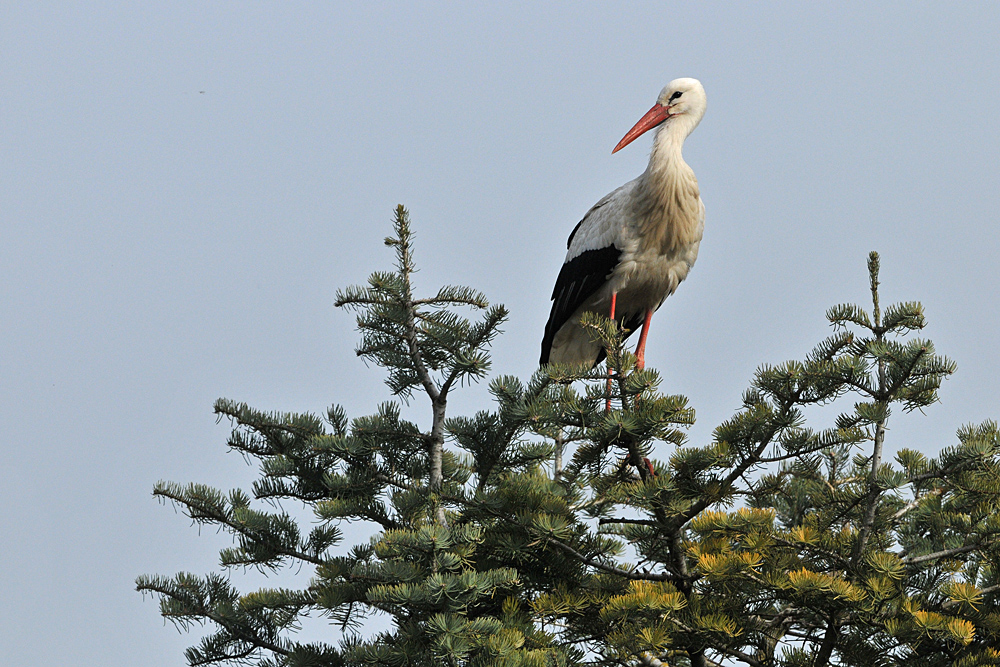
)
(578, 279)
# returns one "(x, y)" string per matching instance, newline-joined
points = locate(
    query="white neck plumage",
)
(667, 196)
(667, 146)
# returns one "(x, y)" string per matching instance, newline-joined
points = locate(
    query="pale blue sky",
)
(183, 187)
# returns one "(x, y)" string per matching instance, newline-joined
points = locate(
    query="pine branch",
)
(738, 471)
(238, 631)
(874, 491)
(915, 503)
(944, 553)
(635, 576)
(811, 548)
(830, 636)
(204, 511)
(638, 522)
(876, 459)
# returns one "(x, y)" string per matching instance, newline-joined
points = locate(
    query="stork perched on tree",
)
(635, 246)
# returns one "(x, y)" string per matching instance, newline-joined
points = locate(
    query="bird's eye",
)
(675, 95)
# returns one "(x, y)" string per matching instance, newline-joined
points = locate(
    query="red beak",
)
(653, 117)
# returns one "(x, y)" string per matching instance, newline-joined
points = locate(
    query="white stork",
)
(635, 246)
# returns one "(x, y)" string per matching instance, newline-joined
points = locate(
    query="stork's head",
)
(682, 102)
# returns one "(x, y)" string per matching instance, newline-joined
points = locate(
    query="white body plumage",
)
(639, 242)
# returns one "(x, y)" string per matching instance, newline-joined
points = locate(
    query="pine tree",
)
(573, 524)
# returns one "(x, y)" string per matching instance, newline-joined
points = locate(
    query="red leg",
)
(640, 351)
(614, 299)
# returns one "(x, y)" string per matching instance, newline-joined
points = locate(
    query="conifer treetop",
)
(775, 543)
